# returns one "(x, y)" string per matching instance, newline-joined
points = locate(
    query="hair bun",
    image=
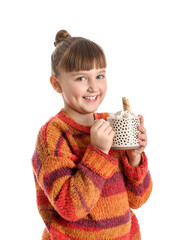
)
(61, 36)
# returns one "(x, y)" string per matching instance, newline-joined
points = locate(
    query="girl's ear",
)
(55, 83)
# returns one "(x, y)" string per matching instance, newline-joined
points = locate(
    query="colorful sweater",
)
(83, 193)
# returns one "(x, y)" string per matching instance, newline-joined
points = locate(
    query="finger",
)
(143, 143)
(141, 129)
(103, 126)
(112, 133)
(141, 119)
(142, 137)
(108, 130)
(97, 123)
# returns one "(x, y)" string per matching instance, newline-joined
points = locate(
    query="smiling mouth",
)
(94, 98)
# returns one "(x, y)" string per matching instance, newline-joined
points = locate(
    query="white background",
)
(148, 50)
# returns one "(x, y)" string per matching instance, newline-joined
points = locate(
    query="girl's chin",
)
(92, 110)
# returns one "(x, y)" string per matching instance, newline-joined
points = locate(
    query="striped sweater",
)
(83, 193)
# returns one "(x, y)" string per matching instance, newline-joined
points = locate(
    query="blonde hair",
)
(75, 54)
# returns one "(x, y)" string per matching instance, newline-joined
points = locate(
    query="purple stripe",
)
(54, 175)
(81, 135)
(47, 224)
(37, 164)
(101, 224)
(56, 152)
(60, 140)
(82, 200)
(62, 137)
(97, 180)
(138, 190)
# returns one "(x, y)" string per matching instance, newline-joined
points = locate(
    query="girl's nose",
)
(92, 86)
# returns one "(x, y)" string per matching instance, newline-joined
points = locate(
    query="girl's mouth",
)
(91, 99)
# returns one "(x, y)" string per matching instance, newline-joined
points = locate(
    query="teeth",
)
(90, 98)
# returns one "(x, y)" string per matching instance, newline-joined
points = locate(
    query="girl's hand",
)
(102, 135)
(134, 155)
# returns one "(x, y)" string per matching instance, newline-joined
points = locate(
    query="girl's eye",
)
(81, 78)
(100, 76)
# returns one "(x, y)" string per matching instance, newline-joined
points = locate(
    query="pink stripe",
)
(114, 185)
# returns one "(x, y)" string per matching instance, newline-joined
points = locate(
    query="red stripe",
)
(114, 185)
(64, 205)
(135, 173)
(102, 115)
(43, 130)
(125, 237)
(134, 226)
(41, 198)
(57, 235)
(138, 190)
(64, 117)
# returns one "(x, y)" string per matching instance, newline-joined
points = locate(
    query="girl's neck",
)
(80, 118)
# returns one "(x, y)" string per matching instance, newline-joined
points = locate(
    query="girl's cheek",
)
(104, 87)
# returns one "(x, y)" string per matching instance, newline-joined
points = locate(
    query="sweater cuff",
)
(135, 173)
(99, 162)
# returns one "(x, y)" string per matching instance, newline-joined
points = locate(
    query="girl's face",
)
(83, 91)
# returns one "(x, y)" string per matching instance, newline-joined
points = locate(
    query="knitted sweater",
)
(83, 193)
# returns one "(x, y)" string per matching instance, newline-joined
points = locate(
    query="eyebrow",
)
(80, 73)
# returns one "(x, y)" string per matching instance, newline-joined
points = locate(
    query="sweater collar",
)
(66, 118)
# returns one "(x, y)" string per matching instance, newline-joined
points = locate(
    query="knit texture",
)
(83, 193)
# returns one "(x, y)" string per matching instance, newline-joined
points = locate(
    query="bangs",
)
(84, 55)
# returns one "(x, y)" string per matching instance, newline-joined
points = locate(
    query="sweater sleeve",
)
(72, 186)
(137, 180)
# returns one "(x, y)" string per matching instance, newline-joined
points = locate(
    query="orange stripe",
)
(110, 233)
(137, 201)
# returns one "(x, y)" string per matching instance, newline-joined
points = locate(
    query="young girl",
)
(85, 189)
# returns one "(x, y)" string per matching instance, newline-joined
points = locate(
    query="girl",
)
(85, 190)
